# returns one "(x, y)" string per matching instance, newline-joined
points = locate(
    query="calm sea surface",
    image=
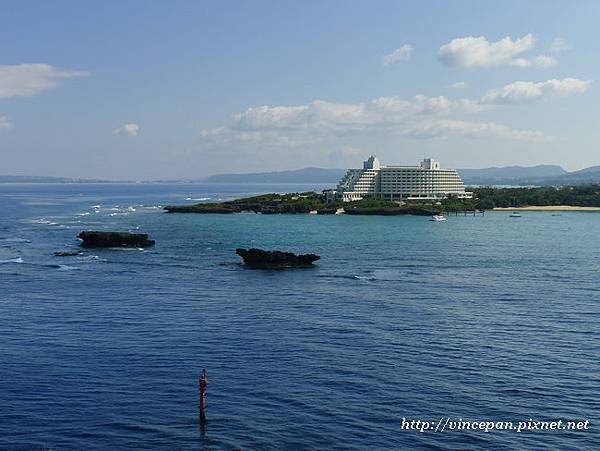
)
(493, 318)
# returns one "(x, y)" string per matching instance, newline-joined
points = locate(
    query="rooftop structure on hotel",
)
(428, 181)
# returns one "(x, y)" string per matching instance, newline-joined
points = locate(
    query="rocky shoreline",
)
(261, 259)
(304, 203)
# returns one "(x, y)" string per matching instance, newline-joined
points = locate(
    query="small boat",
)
(515, 214)
(438, 218)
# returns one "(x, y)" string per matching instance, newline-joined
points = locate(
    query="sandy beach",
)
(548, 208)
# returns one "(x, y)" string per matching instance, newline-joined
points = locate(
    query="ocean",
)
(489, 318)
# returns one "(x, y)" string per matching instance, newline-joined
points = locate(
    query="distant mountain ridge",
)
(305, 175)
(543, 175)
(39, 179)
(581, 177)
(509, 175)
(540, 175)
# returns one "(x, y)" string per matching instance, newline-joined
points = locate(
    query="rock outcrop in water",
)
(114, 239)
(68, 253)
(258, 258)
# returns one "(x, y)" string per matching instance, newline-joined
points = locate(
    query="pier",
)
(469, 213)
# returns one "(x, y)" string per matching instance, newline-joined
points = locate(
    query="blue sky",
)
(151, 90)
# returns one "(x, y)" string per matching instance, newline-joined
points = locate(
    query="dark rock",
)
(270, 211)
(114, 239)
(258, 258)
(67, 253)
(203, 208)
(393, 211)
(267, 204)
(326, 211)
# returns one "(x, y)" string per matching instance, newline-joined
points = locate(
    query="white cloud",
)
(301, 125)
(271, 117)
(544, 61)
(419, 117)
(559, 45)
(127, 130)
(459, 85)
(6, 123)
(325, 115)
(520, 62)
(447, 127)
(30, 79)
(528, 91)
(420, 105)
(474, 52)
(400, 54)
(263, 137)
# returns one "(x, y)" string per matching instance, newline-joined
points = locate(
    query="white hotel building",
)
(425, 182)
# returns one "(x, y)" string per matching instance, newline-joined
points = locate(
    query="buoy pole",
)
(202, 383)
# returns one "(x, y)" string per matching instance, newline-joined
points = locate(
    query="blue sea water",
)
(478, 318)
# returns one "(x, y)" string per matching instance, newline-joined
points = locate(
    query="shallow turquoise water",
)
(487, 318)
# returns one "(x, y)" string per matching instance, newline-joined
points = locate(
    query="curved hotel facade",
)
(428, 181)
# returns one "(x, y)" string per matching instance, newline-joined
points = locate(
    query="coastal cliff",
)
(394, 211)
(303, 203)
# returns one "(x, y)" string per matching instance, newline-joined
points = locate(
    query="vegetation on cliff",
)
(390, 208)
(484, 199)
(578, 196)
(266, 204)
(304, 203)
(487, 198)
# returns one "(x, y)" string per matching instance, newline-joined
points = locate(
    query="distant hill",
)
(510, 175)
(35, 179)
(581, 177)
(587, 175)
(306, 175)
(541, 175)
(49, 179)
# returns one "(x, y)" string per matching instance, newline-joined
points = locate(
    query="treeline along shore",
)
(307, 202)
(574, 196)
(483, 199)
